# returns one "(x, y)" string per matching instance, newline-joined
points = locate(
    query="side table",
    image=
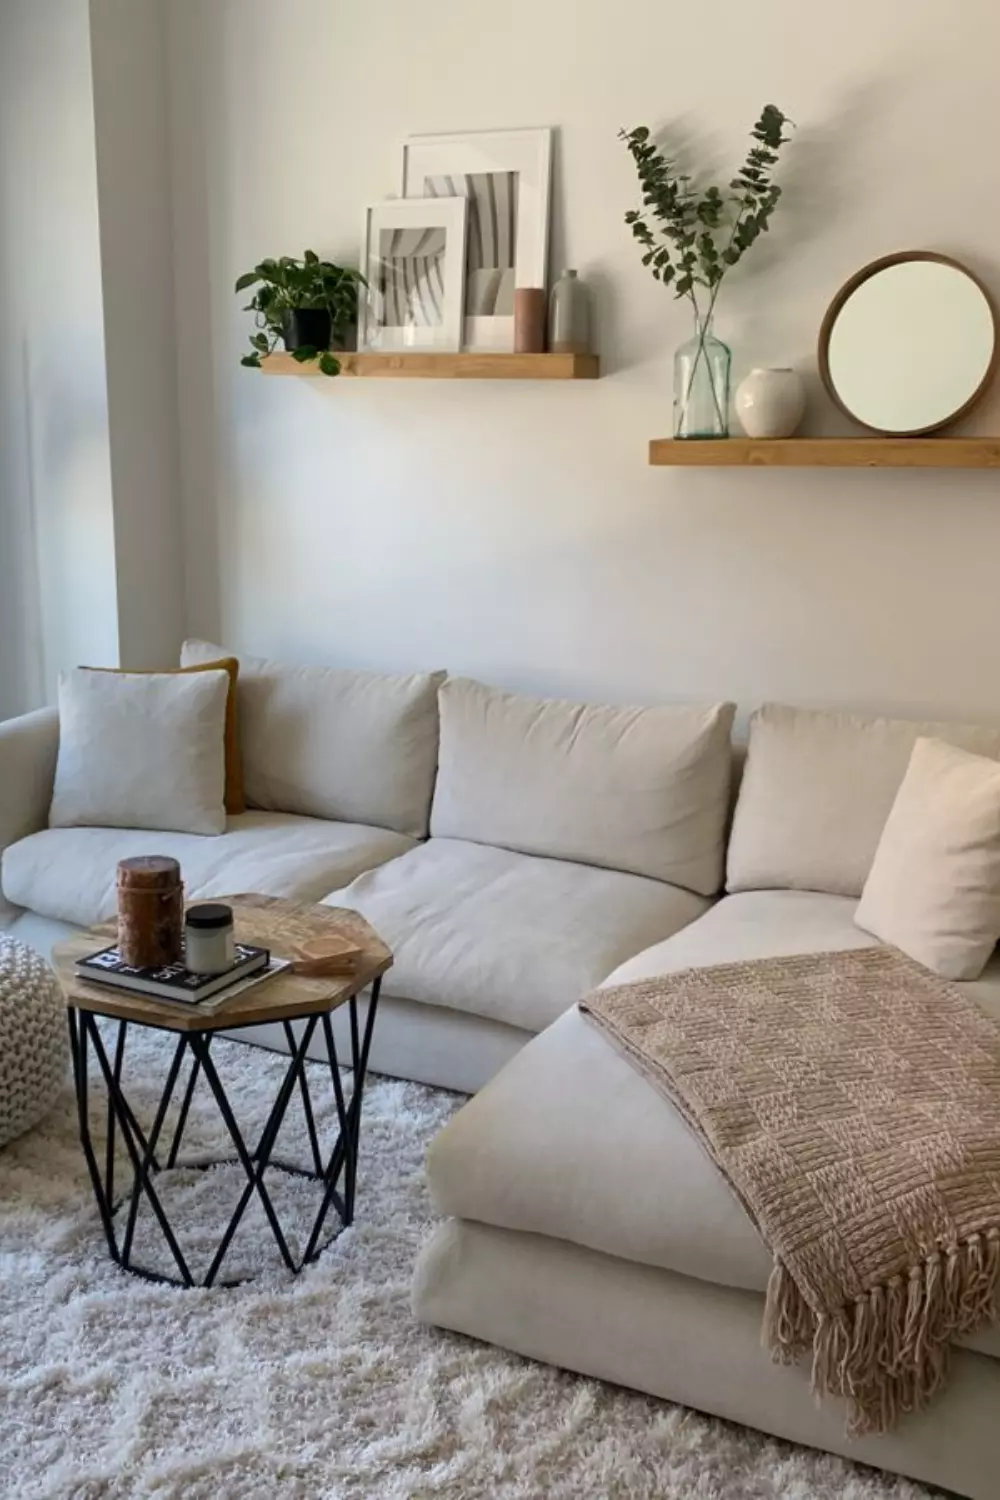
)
(286, 998)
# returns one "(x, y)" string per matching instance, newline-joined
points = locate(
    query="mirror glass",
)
(908, 344)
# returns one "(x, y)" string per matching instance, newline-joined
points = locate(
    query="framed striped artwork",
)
(505, 176)
(414, 261)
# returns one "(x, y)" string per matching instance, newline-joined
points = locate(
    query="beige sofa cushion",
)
(642, 790)
(816, 793)
(505, 935)
(571, 1141)
(69, 873)
(353, 747)
(934, 888)
(756, 924)
(141, 750)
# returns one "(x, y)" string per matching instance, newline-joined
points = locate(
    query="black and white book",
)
(174, 981)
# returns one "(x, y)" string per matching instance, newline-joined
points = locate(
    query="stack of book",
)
(250, 966)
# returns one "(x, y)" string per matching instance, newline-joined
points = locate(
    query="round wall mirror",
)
(909, 344)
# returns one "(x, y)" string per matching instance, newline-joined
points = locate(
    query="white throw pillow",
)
(142, 751)
(934, 886)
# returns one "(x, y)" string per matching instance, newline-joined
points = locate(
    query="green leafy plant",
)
(289, 285)
(691, 238)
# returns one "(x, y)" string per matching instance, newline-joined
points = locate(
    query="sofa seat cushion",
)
(755, 924)
(509, 936)
(69, 874)
(571, 1141)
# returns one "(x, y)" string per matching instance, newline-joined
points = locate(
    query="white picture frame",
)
(413, 256)
(514, 167)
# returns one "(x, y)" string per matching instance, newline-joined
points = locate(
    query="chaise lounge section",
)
(617, 1248)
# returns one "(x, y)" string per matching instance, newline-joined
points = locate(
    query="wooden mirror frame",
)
(850, 286)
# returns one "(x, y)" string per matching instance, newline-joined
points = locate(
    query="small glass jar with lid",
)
(209, 944)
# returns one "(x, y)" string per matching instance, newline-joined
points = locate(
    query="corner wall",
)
(58, 589)
(515, 532)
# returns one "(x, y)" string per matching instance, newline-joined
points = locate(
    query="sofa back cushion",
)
(642, 790)
(817, 790)
(324, 742)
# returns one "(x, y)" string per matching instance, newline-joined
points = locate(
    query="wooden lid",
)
(149, 872)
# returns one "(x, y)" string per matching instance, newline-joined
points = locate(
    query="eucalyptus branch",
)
(694, 239)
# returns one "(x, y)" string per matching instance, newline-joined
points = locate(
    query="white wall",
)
(515, 531)
(128, 50)
(58, 600)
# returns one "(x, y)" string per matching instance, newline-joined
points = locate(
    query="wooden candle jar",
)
(529, 320)
(150, 911)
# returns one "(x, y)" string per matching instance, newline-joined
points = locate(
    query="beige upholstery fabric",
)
(506, 935)
(40, 933)
(603, 1123)
(642, 790)
(141, 750)
(29, 747)
(448, 1049)
(756, 924)
(355, 747)
(69, 873)
(816, 793)
(690, 1342)
(616, 1162)
(934, 889)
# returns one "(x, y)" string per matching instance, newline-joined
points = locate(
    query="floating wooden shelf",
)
(448, 366)
(828, 453)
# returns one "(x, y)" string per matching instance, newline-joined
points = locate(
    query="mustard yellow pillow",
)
(235, 798)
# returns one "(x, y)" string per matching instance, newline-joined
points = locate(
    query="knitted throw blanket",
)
(853, 1102)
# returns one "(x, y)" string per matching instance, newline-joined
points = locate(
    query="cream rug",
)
(320, 1389)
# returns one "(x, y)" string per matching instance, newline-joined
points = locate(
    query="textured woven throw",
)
(852, 1100)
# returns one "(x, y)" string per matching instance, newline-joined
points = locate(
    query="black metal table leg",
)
(340, 1166)
(175, 1144)
(78, 1052)
(142, 1164)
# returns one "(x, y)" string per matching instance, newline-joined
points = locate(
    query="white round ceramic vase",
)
(770, 403)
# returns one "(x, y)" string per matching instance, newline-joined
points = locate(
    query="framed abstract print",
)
(414, 261)
(505, 176)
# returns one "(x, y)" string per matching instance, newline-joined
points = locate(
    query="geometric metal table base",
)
(337, 1174)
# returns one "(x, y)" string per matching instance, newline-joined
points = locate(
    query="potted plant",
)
(699, 237)
(309, 303)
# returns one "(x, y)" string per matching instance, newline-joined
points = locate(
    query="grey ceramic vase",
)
(569, 316)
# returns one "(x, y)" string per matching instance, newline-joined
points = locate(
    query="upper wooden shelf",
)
(448, 366)
(828, 453)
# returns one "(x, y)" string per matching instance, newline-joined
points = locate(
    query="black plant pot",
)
(306, 326)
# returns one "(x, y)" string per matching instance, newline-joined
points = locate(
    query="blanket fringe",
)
(887, 1351)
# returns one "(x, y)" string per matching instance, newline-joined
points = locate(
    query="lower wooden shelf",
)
(484, 366)
(828, 453)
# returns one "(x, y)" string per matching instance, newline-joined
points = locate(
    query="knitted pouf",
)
(34, 1047)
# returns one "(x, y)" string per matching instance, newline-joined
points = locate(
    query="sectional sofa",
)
(516, 853)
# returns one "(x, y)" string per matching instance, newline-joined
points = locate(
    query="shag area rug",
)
(321, 1388)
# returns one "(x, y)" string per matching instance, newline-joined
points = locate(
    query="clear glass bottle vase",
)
(701, 385)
